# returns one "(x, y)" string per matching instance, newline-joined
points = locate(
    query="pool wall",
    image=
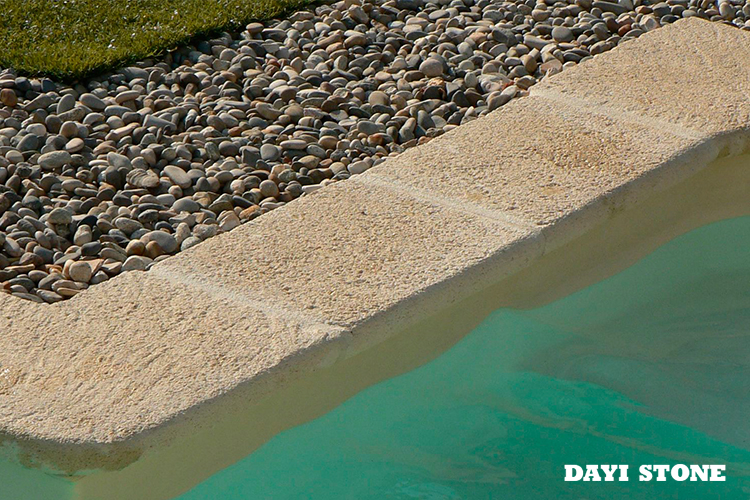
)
(147, 385)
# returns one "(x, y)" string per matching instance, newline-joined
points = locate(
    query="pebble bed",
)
(122, 171)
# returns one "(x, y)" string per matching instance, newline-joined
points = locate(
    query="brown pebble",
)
(153, 250)
(249, 212)
(135, 247)
(67, 292)
(8, 97)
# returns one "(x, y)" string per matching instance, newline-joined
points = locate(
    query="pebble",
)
(8, 98)
(270, 152)
(74, 145)
(80, 271)
(127, 225)
(562, 34)
(431, 67)
(135, 263)
(83, 235)
(93, 102)
(186, 205)
(166, 241)
(49, 296)
(190, 242)
(358, 167)
(53, 160)
(178, 176)
(268, 189)
(60, 216)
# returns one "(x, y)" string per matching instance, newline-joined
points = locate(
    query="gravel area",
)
(116, 173)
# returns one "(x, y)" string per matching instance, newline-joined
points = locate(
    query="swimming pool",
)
(591, 336)
(649, 366)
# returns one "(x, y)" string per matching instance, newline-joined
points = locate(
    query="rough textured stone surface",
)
(700, 67)
(101, 372)
(538, 161)
(385, 246)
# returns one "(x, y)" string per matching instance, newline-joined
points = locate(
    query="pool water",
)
(649, 366)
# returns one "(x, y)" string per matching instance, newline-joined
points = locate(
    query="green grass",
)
(70, 39)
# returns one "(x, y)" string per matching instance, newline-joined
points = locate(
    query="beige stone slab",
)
(536, 160)
(691, 74)
(140, 350)
(346, 253)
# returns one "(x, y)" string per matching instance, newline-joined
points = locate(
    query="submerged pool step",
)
(152, 381)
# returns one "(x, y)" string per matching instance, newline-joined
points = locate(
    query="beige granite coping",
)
(84, 383)
(688, 76)
(350, 251)
(538, 160)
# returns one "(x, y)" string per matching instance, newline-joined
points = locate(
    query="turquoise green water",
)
(647, 367)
